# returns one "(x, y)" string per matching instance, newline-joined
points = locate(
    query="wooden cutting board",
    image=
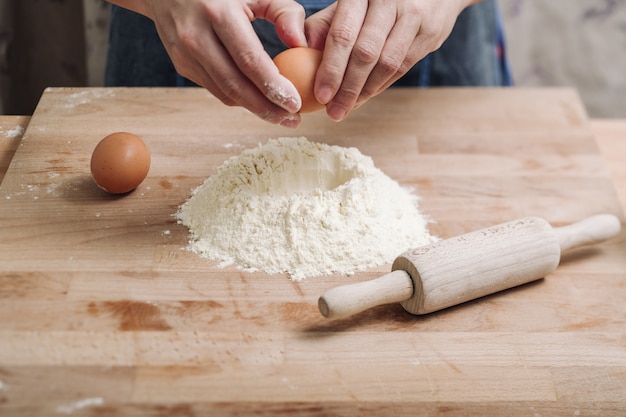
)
(103, 311)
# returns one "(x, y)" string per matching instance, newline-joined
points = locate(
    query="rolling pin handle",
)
(594, 229)
(351, 299)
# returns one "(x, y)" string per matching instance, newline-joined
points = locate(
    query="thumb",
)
(288, 18)
(316, 27)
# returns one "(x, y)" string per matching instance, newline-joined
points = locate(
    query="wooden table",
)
(103, 312)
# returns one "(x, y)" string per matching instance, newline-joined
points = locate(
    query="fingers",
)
(367, 46)
(428, 38)
(364, 57)
(316, 26)
(245, 64)
(400, 52)
(343, 32)
(370, 44)
(213, 44)
(223, 74)
(288, 18)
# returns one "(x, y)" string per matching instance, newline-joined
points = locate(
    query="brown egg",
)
(120, 162)
(299, 65)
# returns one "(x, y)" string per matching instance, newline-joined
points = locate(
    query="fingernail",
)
(337, 112)
(290, 122)
(283, 98)
(325, 95)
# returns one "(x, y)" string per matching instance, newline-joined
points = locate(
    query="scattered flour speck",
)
(52, 188)
(303, 208)
(79, 405)
(87, 96)
(15, 132)
(279, 95)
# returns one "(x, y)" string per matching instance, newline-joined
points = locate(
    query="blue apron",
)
(473, 54)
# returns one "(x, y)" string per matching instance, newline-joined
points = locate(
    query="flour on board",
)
(303, 208)
(15, 132)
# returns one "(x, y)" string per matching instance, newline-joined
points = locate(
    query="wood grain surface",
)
(12, 129)
(104, 312)
(610, 134)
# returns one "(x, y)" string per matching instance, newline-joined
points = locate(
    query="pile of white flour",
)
(303, 208)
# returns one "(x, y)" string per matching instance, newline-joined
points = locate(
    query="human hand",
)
(368, 45)
(213, 43)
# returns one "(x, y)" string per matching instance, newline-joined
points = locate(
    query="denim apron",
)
(473, 54)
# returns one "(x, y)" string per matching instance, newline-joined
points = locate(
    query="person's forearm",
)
(137, 6)
(467, 3)
(470, 2)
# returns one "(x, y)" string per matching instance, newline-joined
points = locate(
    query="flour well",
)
(302, 208)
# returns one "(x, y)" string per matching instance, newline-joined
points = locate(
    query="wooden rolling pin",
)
(466, 267)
